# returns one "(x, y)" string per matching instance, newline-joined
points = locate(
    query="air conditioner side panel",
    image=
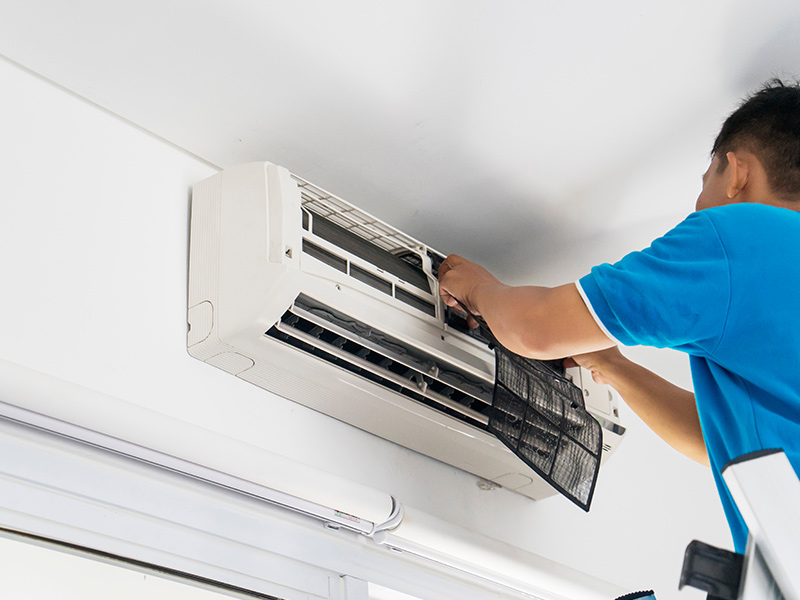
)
(248, 245)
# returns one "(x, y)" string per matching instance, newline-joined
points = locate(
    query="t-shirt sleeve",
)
(674, 294)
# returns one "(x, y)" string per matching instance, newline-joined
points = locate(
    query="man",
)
(722, 286)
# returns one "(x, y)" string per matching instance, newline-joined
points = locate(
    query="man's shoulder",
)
(744, 214)
(757, 234)
(733, 222)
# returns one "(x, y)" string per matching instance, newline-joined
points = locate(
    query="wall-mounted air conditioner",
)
(299, 292)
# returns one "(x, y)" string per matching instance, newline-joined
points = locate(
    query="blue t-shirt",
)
(724, 287)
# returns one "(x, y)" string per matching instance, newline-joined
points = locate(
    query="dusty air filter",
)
(541, 417)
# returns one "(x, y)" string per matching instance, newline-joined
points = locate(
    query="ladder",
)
(767, 492)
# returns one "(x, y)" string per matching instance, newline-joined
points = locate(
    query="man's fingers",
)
(451, 261)
(444, 268)
(449, 300)
(454, 287)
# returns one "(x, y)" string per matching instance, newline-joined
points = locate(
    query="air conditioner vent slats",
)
(385, 345)
(385, 380)
(376, 356)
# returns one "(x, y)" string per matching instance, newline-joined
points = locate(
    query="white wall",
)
(93, 240)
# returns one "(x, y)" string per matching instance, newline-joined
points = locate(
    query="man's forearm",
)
(668, 410)
(540, 322)
(537, 322)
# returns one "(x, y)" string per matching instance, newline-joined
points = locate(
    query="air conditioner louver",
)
(343, 341)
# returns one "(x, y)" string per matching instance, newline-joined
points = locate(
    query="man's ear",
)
(739, 174)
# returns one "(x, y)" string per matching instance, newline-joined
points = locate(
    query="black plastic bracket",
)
(712, 570)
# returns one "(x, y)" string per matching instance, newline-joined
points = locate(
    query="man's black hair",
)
(768, 125)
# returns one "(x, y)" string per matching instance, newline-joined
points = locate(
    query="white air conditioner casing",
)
(303, 294)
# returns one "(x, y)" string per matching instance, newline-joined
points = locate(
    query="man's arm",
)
(668, 410)
(548, 323)
(537, 322)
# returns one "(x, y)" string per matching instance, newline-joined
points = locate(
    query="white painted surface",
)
(579, 131)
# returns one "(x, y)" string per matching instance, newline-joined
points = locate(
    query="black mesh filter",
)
(541, 417)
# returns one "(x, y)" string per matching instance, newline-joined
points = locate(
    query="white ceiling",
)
(535, 137)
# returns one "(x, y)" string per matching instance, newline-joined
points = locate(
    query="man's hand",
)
(602, 364)
(667, 409)
(458, 279)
